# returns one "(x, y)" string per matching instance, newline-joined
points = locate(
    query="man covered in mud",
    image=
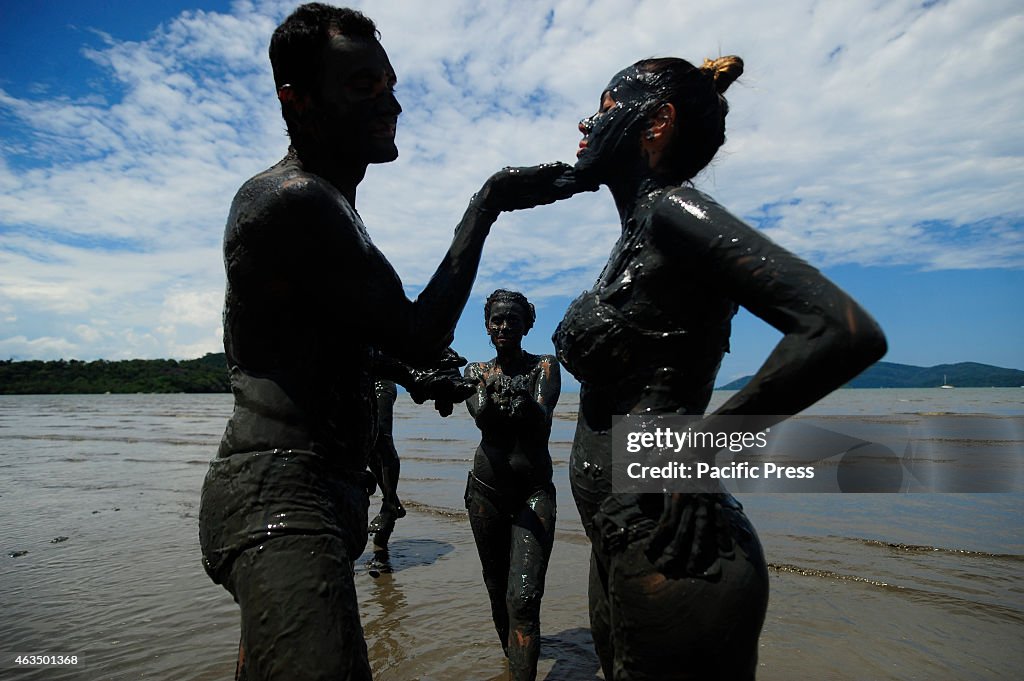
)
(311, 305)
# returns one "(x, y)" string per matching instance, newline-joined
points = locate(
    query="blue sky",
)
(882, 142)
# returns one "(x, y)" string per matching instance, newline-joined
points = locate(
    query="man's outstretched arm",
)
(435, 312)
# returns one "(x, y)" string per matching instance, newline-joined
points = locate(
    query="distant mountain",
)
(960, 375)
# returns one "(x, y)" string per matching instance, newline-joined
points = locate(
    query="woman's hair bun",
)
(724, 70)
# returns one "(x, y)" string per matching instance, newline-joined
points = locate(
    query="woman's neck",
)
(628, 189)
(510, 359)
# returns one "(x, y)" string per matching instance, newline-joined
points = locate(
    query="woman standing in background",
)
(509, 495)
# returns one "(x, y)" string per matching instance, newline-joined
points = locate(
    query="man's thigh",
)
(300, 615)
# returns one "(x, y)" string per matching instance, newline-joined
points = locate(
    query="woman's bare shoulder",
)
(477, 369)
(690, 219)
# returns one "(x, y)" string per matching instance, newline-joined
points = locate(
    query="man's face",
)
(358, 112)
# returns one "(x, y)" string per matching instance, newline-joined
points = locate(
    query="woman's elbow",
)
(865, 340)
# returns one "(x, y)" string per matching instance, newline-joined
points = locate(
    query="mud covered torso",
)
(513, 458)
(651, 333)
(300, 361)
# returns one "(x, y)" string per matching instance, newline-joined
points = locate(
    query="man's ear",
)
(291, 99)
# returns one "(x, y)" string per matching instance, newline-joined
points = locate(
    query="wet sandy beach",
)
(892, 586)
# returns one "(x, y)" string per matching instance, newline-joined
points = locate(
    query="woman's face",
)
(506, 324)
(611, 136)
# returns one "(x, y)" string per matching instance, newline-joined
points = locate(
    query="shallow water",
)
(897, 586)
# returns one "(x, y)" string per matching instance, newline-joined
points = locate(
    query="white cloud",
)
(20, 347)
(195, 308)
(871, 133)
(88, 334)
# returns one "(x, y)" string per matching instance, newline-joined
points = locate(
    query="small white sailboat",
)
(945, 384)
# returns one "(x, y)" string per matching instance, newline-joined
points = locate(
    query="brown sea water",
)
(879, 586)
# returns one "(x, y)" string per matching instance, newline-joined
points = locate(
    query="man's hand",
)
(445, 386)
(449, 360)
(518, 188)
(439, 381)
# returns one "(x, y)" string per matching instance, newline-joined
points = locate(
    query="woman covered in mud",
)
(678, 584)
(509, 495)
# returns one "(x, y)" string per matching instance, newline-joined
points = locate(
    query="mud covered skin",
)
(310, 307)
(611, 134)
(679, 584)
(514, 417)
(386, 466)
(649, 338)
(310, 300)
(262, 515)
(509, 494)
(514, 535)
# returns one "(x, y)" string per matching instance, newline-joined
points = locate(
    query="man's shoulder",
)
(285, 184)
(285, 196)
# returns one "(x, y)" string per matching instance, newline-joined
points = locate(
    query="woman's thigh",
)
(686, 628)
(533, 535)
(492, 528)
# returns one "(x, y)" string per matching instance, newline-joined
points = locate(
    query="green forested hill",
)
(960, 375)
(208, 374)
